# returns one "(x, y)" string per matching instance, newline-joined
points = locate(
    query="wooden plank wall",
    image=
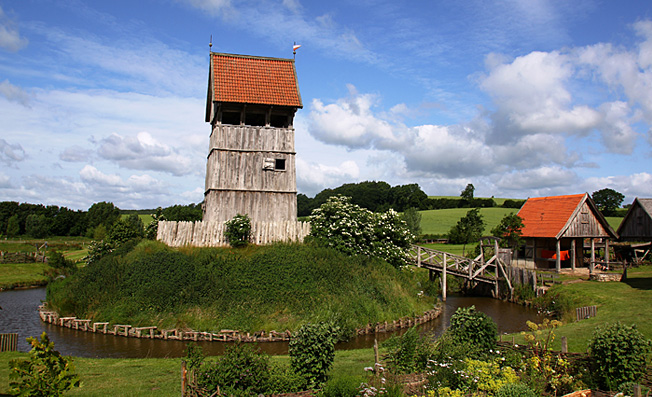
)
(638, 225)
(585, 224)
(211, 234)
(221, 206)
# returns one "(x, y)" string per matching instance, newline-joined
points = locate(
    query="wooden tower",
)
(250, 169)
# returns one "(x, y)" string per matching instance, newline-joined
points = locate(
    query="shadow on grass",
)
(640, 282)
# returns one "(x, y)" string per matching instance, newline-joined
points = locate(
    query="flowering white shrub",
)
(354, 230)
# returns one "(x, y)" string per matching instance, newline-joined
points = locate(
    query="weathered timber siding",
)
(585, 224)
(245, 137)
(222, 206)
(236, 181)
(211, 234)
(637, 225)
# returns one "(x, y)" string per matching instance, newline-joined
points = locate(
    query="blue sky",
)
(104, 101)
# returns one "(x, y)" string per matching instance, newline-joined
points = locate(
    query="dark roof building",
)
(637, 224)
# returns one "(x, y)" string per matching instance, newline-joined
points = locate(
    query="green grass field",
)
(440, 221)
(627, 302)
(14, 275)
(161, 376)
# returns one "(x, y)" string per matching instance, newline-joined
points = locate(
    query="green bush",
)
(283, 379)
(354, 230)
(46, 373)
(239, 371)
(515, 390)
(312, 352)
(343, 386)
(619, 354)
(477, 328)
(409, 352)
(59, 262)
(238, 230)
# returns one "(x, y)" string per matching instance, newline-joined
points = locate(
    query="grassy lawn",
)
(441, 221)
(627, 302)
(22, 274)
(160, 376)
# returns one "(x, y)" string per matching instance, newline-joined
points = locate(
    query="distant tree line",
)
(40, 221)
(380, 196)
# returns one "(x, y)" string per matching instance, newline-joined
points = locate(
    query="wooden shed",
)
(556, 228)
(637, 224)
(251, 103)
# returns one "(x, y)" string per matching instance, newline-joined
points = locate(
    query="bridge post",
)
(497, 267)
(443, 280)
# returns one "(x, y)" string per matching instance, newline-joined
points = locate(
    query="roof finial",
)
(294, 49)
(210, 45)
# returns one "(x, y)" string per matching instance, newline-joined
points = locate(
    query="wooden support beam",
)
(443, 280)
(558, 260)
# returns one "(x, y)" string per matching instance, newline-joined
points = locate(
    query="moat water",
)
(19, 315)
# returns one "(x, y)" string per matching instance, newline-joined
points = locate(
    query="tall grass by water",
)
(278, 287)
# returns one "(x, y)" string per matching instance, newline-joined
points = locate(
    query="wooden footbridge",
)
(473, 271)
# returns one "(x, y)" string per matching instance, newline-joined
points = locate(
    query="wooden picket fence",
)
(8, 342)
(586, 312)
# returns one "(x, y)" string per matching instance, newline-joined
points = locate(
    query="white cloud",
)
(634, 185)
(14, 93)
(75, 154)
(10, 39)
(313, 178)
(94, 177)
(143, 152)
(5, 182)
(538, 179)
(11, 153)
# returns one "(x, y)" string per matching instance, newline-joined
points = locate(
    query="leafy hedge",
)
(257, 288)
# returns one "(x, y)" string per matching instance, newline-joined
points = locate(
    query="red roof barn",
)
(556, 227)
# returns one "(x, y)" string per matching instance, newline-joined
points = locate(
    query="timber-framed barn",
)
(251, 103)
(557, 227)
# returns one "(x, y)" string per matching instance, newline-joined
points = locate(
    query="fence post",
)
(564, 344)
(184, 378)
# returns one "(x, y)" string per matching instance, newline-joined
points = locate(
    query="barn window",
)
(270, 164)
(232, 118)
(279, 121)
(279, 165)
(255, 119)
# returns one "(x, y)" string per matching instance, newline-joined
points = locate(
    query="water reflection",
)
(19, 315)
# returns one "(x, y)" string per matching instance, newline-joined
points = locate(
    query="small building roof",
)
(551, 217)
(633, 225)
(253, 80)
(547, 216)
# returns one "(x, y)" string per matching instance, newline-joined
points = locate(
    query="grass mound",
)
(279, 287)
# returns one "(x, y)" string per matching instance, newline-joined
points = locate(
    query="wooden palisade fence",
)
(211, 234)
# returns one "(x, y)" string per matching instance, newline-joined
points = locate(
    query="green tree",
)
(510, 230)
(468, 229)
(13, 228)
(103, 213)
(412, 219)
(126, 229)
(46, 373)
(353, 230)
(607, 200)
(37, 226)
(467, 193)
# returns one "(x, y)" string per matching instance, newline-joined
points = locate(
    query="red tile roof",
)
(254, 80)
(547, 216)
